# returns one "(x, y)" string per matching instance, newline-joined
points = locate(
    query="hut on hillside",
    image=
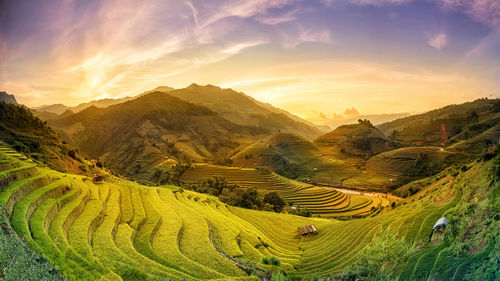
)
(440, 225)
(307, 230)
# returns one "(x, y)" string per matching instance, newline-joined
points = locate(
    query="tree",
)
(274, 199)
(249, 198)
(473, 117)
(72, 153)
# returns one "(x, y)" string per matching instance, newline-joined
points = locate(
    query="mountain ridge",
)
(153, 130)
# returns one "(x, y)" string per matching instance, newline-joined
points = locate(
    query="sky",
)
(312, 58)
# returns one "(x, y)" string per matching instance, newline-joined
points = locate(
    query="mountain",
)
(229, 104)
(283, 153)
(294, 157)
(244, 110)
(453, 126)
(102, 103)
(53, 108)
(355, 140)
(8, 98)
(153, 131)
(391, 169)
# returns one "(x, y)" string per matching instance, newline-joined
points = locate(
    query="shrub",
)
(272, 260)
(279, 276)
(98, 178)
(130, 273)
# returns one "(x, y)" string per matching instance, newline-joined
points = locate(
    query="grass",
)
(18, 261)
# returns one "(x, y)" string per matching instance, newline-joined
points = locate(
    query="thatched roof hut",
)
(307, 230)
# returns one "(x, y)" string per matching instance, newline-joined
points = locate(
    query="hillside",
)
(361, 140)
(119, 230)
(294, 157)
(390, 169)
(244, 110)
(450, 125)
(283, 153)
(153, 131)
(33, 137)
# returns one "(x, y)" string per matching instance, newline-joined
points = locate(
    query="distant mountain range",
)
(56, 109)
(229, 104)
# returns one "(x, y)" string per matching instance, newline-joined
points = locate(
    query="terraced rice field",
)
(120, 230)
(392, 166)
(321, 201)
(319, 167)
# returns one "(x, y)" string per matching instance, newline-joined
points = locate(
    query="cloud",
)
(483, 11)
(238, 47)
(243, 9)
(351, 112)
(438, 41)
(90, 51)
(273, 19)
(321, 36)
(194, 10)
(379, 2)
(331, 3)
(298, 34)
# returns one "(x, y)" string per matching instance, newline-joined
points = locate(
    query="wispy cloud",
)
(321, 36)
(272, 18)
(379, 2)
(298, 34)
(242, 9)
(331, 3)
(194, 10)
(438, 41)
(484, 11)
(238, 47)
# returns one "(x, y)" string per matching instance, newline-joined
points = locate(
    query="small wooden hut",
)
(307, 230)
(440, 226)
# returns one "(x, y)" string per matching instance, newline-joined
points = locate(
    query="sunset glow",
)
(307, 57)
